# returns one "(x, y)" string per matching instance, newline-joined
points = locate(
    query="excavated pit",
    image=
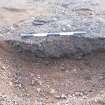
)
(40, 71)
(28, 80)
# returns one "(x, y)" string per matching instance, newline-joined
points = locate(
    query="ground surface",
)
(25, 80)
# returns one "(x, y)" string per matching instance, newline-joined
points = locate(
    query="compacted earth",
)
(26, 80)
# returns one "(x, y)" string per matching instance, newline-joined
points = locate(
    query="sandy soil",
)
(25, 80)
(14, 11)
(33, 81)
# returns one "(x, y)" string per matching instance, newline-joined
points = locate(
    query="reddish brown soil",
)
(26, 80)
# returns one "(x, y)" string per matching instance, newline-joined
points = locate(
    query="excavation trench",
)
(57, 80)
(52, 70)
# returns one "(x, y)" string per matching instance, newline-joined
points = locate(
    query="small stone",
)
(75, 70)
(67, 71)
(70, 96)
(3, 67)
(52, 91)
(54, 19)
(63, 96)
(33, 18)
(62, 68)
(36, 82)
(38, 90)
(46, 62)
(38, 76)
(64, 29)
(69, 25)
(39, 22)
(12, 28)
(32, 82)
(32, 74)
(40, 82)
(19, 85)
(84, 97)
(79, 94)
(10, 83)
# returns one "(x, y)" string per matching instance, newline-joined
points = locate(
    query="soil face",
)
(25, 80)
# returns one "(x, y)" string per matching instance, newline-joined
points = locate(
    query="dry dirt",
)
(25, 80)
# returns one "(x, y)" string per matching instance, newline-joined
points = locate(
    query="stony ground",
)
(25, 80)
